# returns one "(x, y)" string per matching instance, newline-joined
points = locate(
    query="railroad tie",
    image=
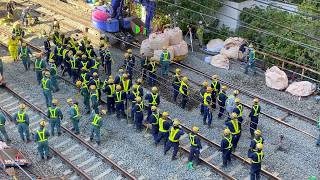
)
(237, 168)
(10, 104)
(141, 178)
(62, 143)
(66, 172)
(6, 99)
(93, 167)
(78, 155)
(70, 149)
(3, 94)
(102, 175)
(119, 178)
(204, 148)
(87, 161)
(14, 109)
(75, 177)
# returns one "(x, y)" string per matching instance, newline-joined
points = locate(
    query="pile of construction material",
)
(172, 39)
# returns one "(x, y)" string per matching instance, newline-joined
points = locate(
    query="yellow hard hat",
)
(224, 87)
(259, 146)
(165, 114)
(257, 132)
(153, 59)
(234, 115)
(255, 100)
(153, 108)
(215, 77)
(42, 123)
(38, 55)
(138, 99)
(126, 55)
(205, 83)
(110, 81)
(236, 92)
(78, 83)
(209, 89)
(178, 70)
(129, 50)
(93, 87)
(120, 70)
(84, 56)
(125, 75)
(24, 44)
(47, 73)
(103, 111)
(22, 106)
(237, 100)
(51, 60)
(95, 74)
(195, 129)
(135, 86)
(185, 78)
(55, 101)
(251, 46)
(110, 77)
(118, 87)
(69, 100)
(164, 47)
(176, 122)
(154, 89)
(139, 80)
(84, 69)
(226, 131)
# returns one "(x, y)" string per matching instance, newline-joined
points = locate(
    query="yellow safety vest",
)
(73, 63)
(89, 53)
(258, 141)
(136, 93)
(53, 112)
(154, 99)
(205, 102)
(240, 108)
(156, 115)
(161, 127)
(235, 125)
(259, 157)
(96, 120)
(44, 82)
(177, 80)
(118, 96)
(126, 85)
(84, 64)
(17, 31)
(95, 66)
(51, 56)
(181, 88)
(192, 139)
(42, 135)
(173, 133)
(38, 65)
(97, 82)
(141, 107)
(214, 85)
(165, 56)
(255, 110)
(59, 51)
(84, 80)
(21, 117)
(153, 65)
(76, 108)
(112, 89)
(229, 142)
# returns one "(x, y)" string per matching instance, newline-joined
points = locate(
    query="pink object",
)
(98, 15)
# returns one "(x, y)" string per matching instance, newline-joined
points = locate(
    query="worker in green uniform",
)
(84, 91)
(3, 129)
(39, 66)
(96, 123)
(41, 138)
(165, 61)
(47, 88)
(53, 75)
(55, 116)
(200, 31)
(24, 55)
(94, 98)
(22, 120)
(74, 115)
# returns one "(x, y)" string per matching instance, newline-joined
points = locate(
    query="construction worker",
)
(131, 62)
(10, 9)
(74, 62)
(238, 110)
(152, 71)
(90, 52)
(256, 159)
(96, 123)
(66, 55)
(47, 88)
(202, 91)
(119, 97)
(97, 82)
(55, 25)
(55, 116)
(138, 113)
(21, 118)
(230, 104)
(41, 138)
(58, 54)
(107, 60)
(126, 84)
(251, 61)
(195, 146)
(207, 106)
(84, 74)
(176, 84)
(165, 61)
(84, 63)
(222, 97)
(39, 66)
(153, 99)
(119, 78)
(199, 33)
(84, 91)
(74, 115)
(126, 61)
(1, 65)
(184, 91)
(24, 55)
(110, 90)
(215, 85)
(13, 46)
(226, 147)
(153, 119)
(47, 47)
(136, 91)
(144, 65)
(94, 98)
(17, 31)
(174, 138)
(235, 128)
(56, 38)
(53, 75)
(164, 126)
(256, 140)
(3, 129)
(95, 64)
(254, 116)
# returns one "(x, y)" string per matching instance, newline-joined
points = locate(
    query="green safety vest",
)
(84, 80)
(165, 56)
(181, 88)
(161, 128)
(59, 51)
(94, 94)
(259, 157)
(96, 120)
(84, 64)
(141, 107)
(173, 133)
(191, 139)
(240, 107)
(44, 82)
(38, 65)
(235, 125)
(118, 96)
(42, 135)
(17, 31)
(54, 67)
(258, 141)
(205, 102)
(21, 117)
(229, 142)
(95, 66)
(156, 115)
(112, 89)
(24, 52)
(255, 110)
(126, 85)
(53, 112)
(154, 99)
(97, 82)
(64, 52)
(214, 85)
(153, 65)
(73, 63)
(89, 53)
(76, 109)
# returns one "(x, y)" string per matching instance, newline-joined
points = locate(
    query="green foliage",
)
(280, 45)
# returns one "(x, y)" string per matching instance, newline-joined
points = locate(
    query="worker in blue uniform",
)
(107, 60)
(238, 110)
(252, 59)
(184, 91)
(176, 84)
(153, 99)
(126, 84)
(74, 63)
(256, 159)
(138, 113)
(74, 115)
(21, 118)
(165, 61)
(254, 116)
(96, 124)
(58, 54)
(195, 147)
(95, 64)
(215, 85)
(55, 116)
(164, 126)
(230, 104)
(131, 62)
(226, 147)
(119, 97)
(90, 51)
(67, 54)
(119, 78)
(174, 137)
(39, 66)
(202, 91)
(256, 140)
(144, 65)
(84, 91)
(235, 128)
(152, 67)
(207, 106)
(3, 129)
(110, 90)
(47, 88)
(24, 55)
(85, 76)
(53, 75)
(136, 91)
(222, 97)
(84, 63)
(94, 98)
(97, 82)
(47, 48)
(41, 138)
(153, 119)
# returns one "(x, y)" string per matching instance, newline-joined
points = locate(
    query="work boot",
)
(42, 157)
(174, 158)
(91, 139)
(28, 140)
(209, 126)
(59, 133)
(98, 142)
(204, 122)
(190, 167)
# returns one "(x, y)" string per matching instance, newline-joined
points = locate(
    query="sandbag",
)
(215, 45)
(276, 78)
(175, 35)
(220, 61)
(158, 41)
(231, 52)
(98, 15)
(233, 42)
(157, 53)
(302, 88)
(145, 48)
(180, 49)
